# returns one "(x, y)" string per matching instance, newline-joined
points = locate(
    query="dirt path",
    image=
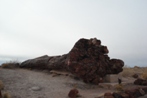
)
(23, 83)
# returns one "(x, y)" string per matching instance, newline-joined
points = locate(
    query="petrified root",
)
(87, 60)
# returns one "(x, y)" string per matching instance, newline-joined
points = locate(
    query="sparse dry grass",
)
(10, 64)
(119, 87)
(6, 95)
(144, 75)
(140, 71)
(127, 72)
(1, 85)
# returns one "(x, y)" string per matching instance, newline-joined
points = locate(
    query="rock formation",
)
(87, 60)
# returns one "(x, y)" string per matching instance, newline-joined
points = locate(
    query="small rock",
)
(142, 91)
(135, 76)
(124, 95)
(36, 88)
(108, 95)
(116, 95)
(138, 81)
(73, 93)
(145, 89)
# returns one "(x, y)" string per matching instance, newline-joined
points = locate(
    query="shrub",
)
(119, 87)
(6, 95)
(128, 72)
(11, 64)
(144, 75)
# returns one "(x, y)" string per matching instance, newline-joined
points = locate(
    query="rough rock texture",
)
(0, 94)
(135, 76)
(108, 95)
(140, 82)
(87, 60)
(73, 93)
(132, 93)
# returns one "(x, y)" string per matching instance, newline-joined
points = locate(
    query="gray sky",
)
(32, 28)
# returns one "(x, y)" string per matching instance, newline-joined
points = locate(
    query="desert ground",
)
(27, 83)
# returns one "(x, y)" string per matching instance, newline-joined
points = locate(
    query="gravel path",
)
(23, 83)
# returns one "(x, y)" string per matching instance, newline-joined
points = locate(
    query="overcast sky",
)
(32, 28)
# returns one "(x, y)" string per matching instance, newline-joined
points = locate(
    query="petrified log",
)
(87, 60)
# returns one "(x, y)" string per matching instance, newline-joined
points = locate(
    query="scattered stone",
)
(142, 91)
(130, 93)
(108, 95)
(116, 95)
(124, 95)
(137, 93)
(73, 93)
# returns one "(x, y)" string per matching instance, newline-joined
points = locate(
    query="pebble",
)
(36, 88)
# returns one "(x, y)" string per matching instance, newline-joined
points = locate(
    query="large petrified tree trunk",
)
(87, 60)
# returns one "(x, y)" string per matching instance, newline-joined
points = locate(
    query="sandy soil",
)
(23, 83)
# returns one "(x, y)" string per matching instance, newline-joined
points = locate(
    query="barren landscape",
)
(26, 83)
(86, 71)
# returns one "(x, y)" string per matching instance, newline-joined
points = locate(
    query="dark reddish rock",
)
(73, 93)
(124, 95)
(116, 95)
(145, 89)
(140, 82)
(87, 60)
(142, 92)
(108, 95)
(0, 94)
(135, 92)
(36, 63)
(144, 83)
(130, 93)
(135, 76)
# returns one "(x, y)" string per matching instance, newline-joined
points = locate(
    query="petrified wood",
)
(87, 60)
